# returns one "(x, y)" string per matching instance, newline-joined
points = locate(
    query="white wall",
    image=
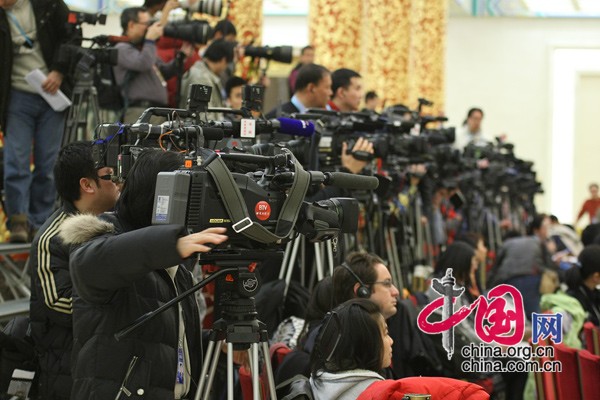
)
(505, 67)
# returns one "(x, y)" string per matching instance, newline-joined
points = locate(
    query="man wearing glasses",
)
(139, 72)
(83, 188)
(365, 275)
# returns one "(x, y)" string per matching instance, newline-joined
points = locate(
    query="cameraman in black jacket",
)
(123, 269)
(83, 189)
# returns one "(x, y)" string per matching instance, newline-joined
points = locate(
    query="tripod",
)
(85, 96)
(238, 326)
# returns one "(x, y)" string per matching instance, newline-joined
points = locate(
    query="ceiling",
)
(526, 8)
(457, 8)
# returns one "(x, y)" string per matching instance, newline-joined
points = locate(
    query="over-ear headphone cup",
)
(363, 292)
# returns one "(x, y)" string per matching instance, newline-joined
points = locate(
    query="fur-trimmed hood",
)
(82, 228)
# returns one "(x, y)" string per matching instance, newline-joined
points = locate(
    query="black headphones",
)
(363, 291)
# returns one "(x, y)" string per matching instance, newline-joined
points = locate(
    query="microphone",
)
(295, 127)
(351, 181)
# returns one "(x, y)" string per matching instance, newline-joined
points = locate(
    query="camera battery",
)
(170, 198)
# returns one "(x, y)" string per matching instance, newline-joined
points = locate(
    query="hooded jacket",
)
(346, 385)
(119, 275)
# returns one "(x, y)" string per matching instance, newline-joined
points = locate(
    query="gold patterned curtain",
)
(335, 31)
(398, 46)
(247, 16)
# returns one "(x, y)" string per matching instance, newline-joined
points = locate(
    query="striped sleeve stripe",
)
(59, 304)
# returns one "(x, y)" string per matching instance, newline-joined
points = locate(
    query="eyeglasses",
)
(147, 23)
(109, 177)
(388, 284)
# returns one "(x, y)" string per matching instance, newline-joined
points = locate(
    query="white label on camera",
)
(248, 128)
(162, 208)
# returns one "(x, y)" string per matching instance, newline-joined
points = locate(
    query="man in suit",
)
(313, 90)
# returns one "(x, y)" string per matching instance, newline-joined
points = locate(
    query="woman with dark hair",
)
(352, 348)
(122, 268)
(583, 282)
(462, 258)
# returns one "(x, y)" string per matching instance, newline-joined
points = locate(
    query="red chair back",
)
(545, 383)
(592, 338)
(589, 367)
(566, 379)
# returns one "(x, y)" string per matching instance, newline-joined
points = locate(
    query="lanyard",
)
(20, 29)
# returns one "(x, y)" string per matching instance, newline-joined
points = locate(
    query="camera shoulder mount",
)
(238, 211)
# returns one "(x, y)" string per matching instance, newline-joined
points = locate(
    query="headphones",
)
(363, 291)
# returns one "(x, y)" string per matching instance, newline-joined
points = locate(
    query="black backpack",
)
(273, 308)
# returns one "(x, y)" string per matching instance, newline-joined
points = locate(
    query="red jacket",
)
(438, 388)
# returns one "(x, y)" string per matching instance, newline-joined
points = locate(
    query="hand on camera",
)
(154, 31)
(348, 160)
(195, 243)
(52, 82)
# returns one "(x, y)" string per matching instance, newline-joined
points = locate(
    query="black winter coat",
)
(118, 278)
(51, 310)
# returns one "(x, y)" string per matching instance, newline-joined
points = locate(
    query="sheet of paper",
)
(58, 101)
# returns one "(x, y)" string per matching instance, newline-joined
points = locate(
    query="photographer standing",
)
(123, 269)
(140, 73)
(31, 33)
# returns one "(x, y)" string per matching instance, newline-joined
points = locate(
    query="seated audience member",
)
(583, 282)
(521, 261)
(123, 267)
(353, 347)
(463, 260)
(565, 238)
(298, 361)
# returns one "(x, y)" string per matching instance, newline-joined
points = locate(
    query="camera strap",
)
(238, 212)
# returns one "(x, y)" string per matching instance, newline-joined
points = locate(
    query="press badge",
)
(180, 365)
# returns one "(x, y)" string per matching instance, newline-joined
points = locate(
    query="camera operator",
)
(207, 72)
(139, 71)
(31, 33)
(83, 189)
(169, 48)
(347, 88)
(122, 269)
(233, 90)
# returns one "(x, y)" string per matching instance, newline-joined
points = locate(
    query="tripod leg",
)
(265, 349)
(255, 373)
(330, 256)
(213, 359)
(204, 372)
(229, 371)
(318, 261)
(286, 258)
